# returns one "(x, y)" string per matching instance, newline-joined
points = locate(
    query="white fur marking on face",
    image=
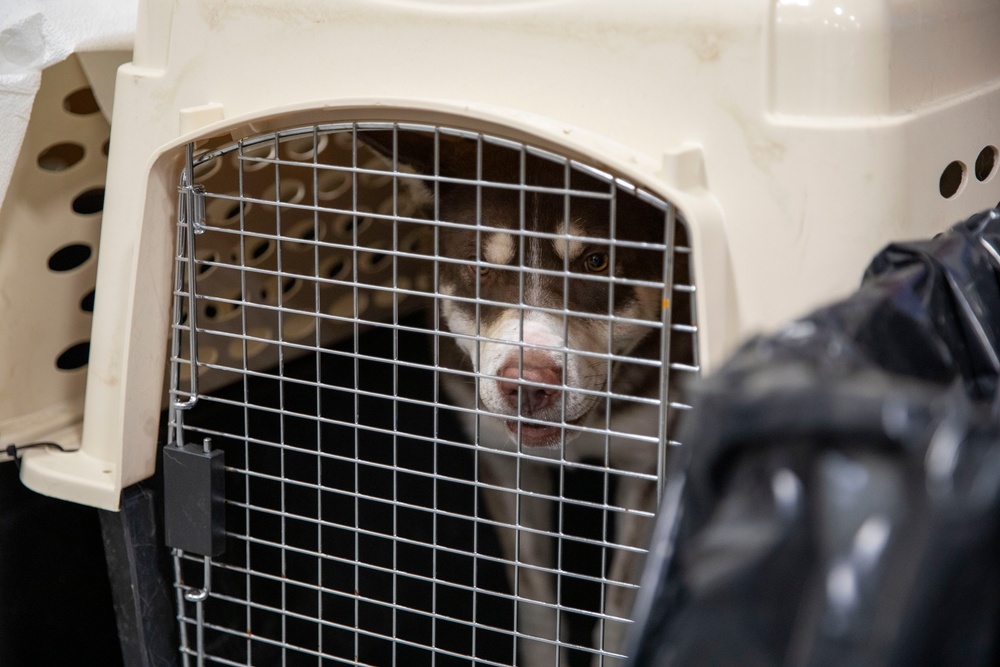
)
(533, 292)
(460, 323)
(562, 245)
(498, 248)
(509, 337)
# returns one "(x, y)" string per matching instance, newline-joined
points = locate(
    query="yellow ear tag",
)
(665, 303)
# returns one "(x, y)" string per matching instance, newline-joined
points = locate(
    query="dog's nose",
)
(537, 368)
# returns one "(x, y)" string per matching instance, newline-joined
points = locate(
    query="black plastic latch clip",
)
(194, 499)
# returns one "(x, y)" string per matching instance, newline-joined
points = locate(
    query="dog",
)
(553, 305)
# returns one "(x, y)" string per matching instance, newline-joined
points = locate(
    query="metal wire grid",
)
(357, 531)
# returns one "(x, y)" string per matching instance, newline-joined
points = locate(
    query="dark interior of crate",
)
(305, 589)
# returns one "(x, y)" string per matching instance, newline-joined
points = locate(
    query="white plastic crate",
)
(792, 138)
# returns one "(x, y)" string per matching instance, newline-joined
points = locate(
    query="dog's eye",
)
(596, 261)
(482, 270)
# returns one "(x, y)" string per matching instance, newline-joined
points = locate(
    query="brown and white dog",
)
(554, 304)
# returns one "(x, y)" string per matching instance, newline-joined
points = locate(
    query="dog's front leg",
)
(633, 530)
(511, 490)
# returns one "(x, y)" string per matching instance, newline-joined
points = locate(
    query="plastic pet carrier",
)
(417, 283)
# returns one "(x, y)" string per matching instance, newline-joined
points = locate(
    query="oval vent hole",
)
(69, 257)
(986, 163)
(81, 102)
(89, 202)
(87, 302)
(952, 179)
(60, 157)
(74, 356)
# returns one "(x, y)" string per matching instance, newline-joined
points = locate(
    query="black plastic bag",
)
(838, 498)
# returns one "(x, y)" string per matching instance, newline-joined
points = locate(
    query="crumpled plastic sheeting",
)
(35, 34)
(838, 499)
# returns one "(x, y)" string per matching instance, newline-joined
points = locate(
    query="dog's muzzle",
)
(529, 380)
(531, 388)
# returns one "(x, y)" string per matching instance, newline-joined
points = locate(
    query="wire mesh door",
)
(439, 364)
